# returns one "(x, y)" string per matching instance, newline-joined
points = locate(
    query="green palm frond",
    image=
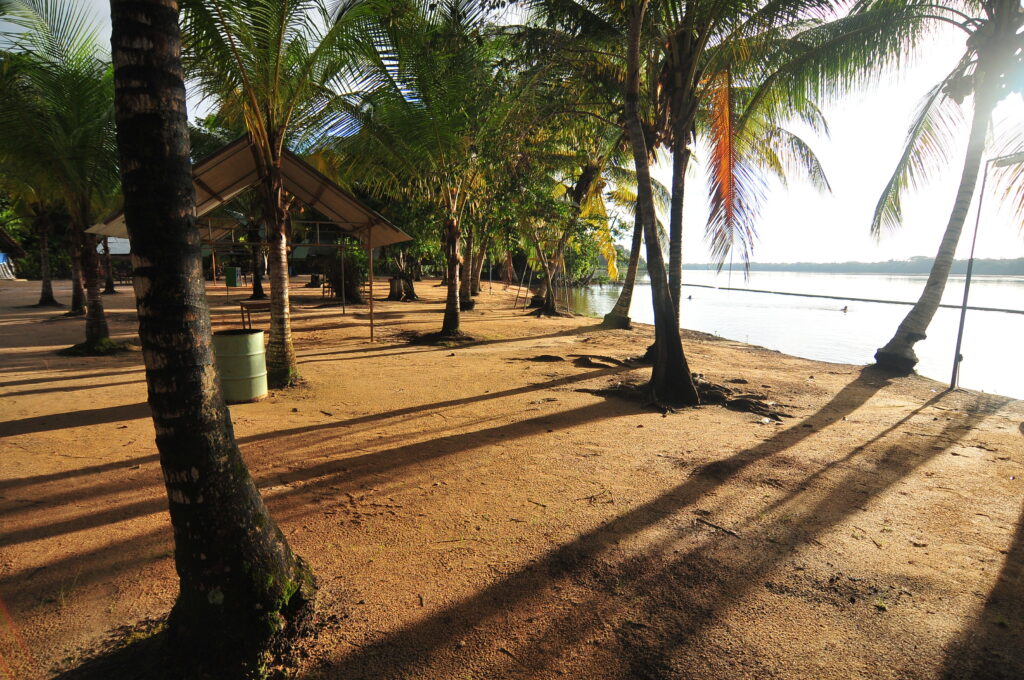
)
(930, 138)
(56, 108)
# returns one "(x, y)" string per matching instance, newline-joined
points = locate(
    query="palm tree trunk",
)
(42, 224)
(680, 161)
(108, 288)
(619, 316)
(77, 289)
(96, 330)
(282, 367)
(466, 301)
(478, 265)
(451, 235)
(243, 592)
(671, 381)
(898, 354)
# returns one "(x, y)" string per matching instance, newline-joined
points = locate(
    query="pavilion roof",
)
(229, 172)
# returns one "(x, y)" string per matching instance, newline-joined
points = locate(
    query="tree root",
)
(554, 313)
(100, 348)
(437, 338)
(710, 394)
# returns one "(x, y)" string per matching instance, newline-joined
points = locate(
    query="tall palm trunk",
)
(451, 235)
(108, 269)
(282, 367)
(466, 301)
(680, 161)
(243, 591)
(682, 110)
(898, 354)
(42, 224)
(478, 265)
(619, 316)
(77, 289)
(96, 330)
(671, 382)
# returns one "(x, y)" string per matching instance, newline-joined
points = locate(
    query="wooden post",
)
(344, 295)
(213, 254)
(369, 246)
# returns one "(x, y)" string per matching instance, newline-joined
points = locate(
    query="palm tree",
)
(243, 592)
(618, 317)
(671, 381)
(715, 58)
(436, 104)
(57, 129)
(29, 207)
(991, 67)
(281, 69)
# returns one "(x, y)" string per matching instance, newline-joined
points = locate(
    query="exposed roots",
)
(710, 394)
(547, 311)
(437, 338)
(616, 321)
(100, 348)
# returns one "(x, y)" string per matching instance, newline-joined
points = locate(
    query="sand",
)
(470, 514)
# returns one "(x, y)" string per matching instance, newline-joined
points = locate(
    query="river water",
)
(817, 328)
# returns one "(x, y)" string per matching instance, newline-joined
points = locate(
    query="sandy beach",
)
(470, 513)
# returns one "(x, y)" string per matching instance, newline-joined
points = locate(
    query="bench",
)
(250, 306)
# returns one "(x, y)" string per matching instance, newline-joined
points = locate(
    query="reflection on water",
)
(817, 328)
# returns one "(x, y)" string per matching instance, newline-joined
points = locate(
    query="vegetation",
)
(514, 148)
(991, 68)
(57, 138)
(243, 594)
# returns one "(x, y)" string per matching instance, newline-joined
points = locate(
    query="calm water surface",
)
(817, 328)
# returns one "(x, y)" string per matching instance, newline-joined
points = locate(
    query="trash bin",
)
(232, 276)
(242, 364)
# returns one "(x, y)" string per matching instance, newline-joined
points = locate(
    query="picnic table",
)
(250, 306)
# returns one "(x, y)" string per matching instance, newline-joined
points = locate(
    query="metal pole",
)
(957, 358)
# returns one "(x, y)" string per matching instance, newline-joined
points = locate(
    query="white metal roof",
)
(229, 172)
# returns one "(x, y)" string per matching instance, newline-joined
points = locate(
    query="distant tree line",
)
(915, 265)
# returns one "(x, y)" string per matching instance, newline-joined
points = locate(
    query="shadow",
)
(78, 472)
(82, 418)
(684, 593)
(461, 346)
(993, 648)
(72, 388)
(134, 653)
(351, 469)
(410, 410)
(341, 475)
(55, 378)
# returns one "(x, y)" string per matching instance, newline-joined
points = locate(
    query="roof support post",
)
(369, 247)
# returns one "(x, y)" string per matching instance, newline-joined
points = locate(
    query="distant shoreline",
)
(917, 265)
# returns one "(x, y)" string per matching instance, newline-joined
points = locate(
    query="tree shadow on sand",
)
(644, 615)
(993, 648)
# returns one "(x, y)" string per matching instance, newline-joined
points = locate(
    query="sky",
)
(867, 133)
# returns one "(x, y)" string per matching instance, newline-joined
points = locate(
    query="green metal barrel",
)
(242, 364)
(231, 276)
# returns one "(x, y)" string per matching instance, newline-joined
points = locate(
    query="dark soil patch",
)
(437, 339)
(102, 348)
